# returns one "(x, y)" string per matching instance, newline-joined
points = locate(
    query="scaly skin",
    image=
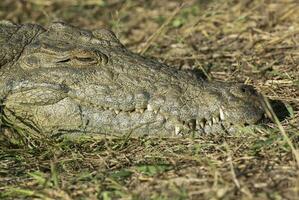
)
(67, 80)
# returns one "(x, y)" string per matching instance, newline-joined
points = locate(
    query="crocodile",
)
(64, 79)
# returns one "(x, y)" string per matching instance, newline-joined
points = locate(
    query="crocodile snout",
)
(72, 80)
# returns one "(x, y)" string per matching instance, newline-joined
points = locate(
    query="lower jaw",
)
(170, 131)
(108, 123)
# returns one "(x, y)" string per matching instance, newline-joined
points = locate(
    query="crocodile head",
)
(68, 80)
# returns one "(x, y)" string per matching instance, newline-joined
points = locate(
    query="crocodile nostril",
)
(243, 89)
(248, 89)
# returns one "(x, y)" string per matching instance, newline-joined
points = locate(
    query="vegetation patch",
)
(255, 42)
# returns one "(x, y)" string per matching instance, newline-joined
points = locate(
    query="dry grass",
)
(250, 41)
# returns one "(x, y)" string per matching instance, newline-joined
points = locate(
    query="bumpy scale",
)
(64, 80)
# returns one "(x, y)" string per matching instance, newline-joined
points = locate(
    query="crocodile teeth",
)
(177, 130)
(214, 120)
(141, 110)
(221, 114)
(200, 124)
(210, 122)
(117, 111)
(149, 107)
(155, 111)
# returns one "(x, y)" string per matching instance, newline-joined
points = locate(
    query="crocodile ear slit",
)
(102, 57)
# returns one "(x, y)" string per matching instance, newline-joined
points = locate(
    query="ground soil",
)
(255, 42)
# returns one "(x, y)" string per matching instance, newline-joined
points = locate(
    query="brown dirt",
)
(246, 41)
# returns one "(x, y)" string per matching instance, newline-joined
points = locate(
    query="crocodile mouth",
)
(218, 122)
(95, 116)
(204, 125)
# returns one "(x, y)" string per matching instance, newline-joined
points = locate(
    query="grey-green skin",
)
(65, 79)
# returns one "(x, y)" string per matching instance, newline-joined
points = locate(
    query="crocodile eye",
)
(83, 61)
(90, 57)
(86, 59)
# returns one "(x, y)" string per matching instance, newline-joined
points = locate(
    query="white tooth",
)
(214, 119)
(210, 123)
(201, 123)
(149, 107)
(221, 114)
(155, 111)
(141, 110)
(117, 111)
(177, 130)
